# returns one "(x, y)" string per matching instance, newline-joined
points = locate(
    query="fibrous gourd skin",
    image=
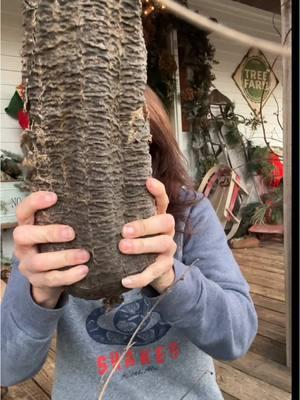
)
(84, 67)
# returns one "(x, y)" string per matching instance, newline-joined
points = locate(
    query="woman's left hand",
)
(160, 275)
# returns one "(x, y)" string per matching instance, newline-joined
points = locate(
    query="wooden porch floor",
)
(261, 374)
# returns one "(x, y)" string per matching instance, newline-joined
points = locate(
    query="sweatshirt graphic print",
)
(123, 324)
(209, 314)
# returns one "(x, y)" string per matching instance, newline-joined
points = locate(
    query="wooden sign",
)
(255, 79)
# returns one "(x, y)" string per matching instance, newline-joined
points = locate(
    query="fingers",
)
(157, 189)
(35, 201)
(43, 262)
(56, 278)
(164, 223)
(162, 269)
(29, 235)
(156, 244)
(161, 273)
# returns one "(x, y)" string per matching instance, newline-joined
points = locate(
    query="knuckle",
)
(19, 210)
(151, 276)
(146, 279)
(142, 229)
(35, 261)
(72, 257)
(68, 257)
(171, 221)
(48, 233)
(52, 279)
(141, 245)
(51, 233)
(17, 234)
(168, 241)
(26, 203)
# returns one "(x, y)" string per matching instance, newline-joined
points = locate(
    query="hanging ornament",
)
(15, 105)
(23, 118)
(16, 108)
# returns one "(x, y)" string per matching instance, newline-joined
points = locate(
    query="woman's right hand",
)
(42, 269)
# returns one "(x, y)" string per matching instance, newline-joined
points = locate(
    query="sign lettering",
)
(255, 79)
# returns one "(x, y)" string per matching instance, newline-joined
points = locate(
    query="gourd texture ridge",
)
(85, 72)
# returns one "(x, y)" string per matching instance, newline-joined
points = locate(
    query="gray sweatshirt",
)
(208, 314)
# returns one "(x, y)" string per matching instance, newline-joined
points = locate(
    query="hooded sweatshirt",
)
(207, 314)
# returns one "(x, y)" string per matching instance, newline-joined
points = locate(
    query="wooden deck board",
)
(45, 376)
(269, 348)
(228, 396)
(27, 390)
(261, 374)
(272, 331)
(264, 278)
(246, 387)
(273, 293)
(269, 303)
(254, 265)
(260, 259)
(264, 369)
(264, 314)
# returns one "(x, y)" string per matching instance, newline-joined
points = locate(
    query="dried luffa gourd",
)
(84, 67)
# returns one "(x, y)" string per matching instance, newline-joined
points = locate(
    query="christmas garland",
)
(196, 59)
(196, 53)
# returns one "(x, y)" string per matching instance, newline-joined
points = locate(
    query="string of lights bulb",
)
(152, 5)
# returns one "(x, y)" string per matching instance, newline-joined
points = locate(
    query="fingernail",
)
(83, 255)
(83, 269)
(127, 244)
(50, 197)
(154, 182)
(127, 281)
(67, 233)
(128, 230)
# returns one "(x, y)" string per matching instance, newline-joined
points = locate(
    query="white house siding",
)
(11, 42)
(229, 54)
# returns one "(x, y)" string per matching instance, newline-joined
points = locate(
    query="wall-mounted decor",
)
(11, 196)
(255, 79)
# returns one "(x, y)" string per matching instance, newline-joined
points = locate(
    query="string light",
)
(152, 5)
(149, 10)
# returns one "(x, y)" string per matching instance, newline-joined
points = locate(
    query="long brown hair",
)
(168, 162)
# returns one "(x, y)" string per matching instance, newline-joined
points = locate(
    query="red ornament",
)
(23, 118)
(277, 171)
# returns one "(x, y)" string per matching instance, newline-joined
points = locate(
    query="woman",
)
(208, 313)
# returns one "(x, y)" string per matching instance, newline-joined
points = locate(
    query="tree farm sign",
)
(255, 79)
